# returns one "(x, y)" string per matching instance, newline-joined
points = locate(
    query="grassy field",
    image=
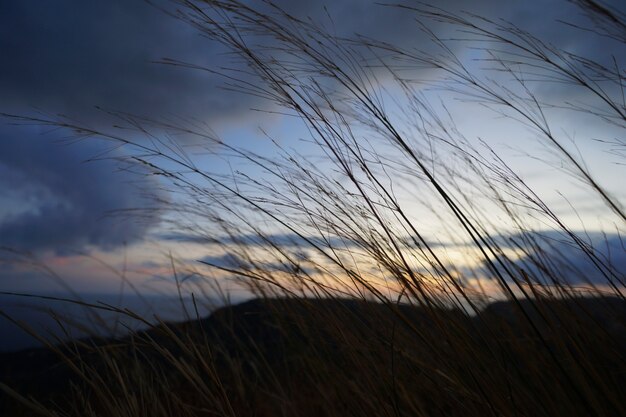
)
(315, 357)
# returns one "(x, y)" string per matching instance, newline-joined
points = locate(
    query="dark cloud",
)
(567, 262)
(50, 199)
(69, 56)
(234, 262)
(279, 239)
(227, 261)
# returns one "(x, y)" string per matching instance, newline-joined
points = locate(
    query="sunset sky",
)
(69, 57)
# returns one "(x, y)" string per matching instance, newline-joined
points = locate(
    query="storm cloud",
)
(51, 199)
(68, 56)
(561, 258)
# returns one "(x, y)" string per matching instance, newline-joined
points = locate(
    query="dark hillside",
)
(305, 357)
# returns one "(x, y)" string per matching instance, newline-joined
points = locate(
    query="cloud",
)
(234, 262)
(253, 240)
(568, 262)
(227, 261)
(52, 200)
(69, 56)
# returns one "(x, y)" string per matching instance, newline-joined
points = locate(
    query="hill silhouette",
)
(310, 352)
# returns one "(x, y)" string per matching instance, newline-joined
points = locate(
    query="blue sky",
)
(70, 56)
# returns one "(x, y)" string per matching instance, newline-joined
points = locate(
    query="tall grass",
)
(393, 187)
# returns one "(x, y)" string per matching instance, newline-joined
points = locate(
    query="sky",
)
(66, 212)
